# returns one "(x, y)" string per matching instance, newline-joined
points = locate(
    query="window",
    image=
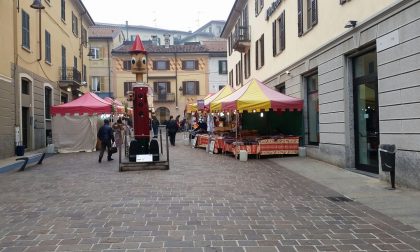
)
(222, 66)
(97, 83)
(25, 86)
(259, 5)
(127, 65)
(128, 86)
(48, 102)
(279, 35)
(63, 63)
(25, 30)
(190, 88)
(247, 62)
(64, 98)
(221, 87)
(84, 37)
(96, 53)
(190, 65)
(47, 47)
(281, 88)
(231, 78)
(307, 15)
(344, 1)
(313, 109)
(161, 64)
(63, 10)
(259, 52)
(74, 24)
(161, 88)
(239, 77)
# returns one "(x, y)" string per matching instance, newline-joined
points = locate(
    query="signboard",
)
(200, 104)
(144, 158)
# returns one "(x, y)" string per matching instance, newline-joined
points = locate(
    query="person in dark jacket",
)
(106, 135)
(172, 128)
(155, 125)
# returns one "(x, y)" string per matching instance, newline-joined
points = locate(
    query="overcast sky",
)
(181, 15)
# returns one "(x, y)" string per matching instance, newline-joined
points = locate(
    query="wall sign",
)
(272, 8)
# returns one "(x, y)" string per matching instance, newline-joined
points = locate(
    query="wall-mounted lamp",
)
(180, 89)
(351, 24)
(37, 5)
(288, 72)
(69, 89)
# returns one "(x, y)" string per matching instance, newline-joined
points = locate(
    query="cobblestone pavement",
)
(203, 203)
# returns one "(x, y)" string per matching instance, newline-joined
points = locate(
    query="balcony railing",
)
(70, 75)
(166, 97)
(241, 39)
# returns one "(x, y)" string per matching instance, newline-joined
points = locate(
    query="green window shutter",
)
(274, 38)
(184, 88)
(197, 66)
(155, 87)
(168, 87)
(197, 88)
(314, 4)
(283, 31)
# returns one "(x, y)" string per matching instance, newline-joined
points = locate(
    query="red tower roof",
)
(138, 46)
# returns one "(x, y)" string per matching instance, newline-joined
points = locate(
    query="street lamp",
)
(37, 5)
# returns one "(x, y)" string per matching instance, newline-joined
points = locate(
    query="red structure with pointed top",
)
(138, 46)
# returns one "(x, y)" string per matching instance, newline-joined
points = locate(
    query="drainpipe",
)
(40, 36)
(176, 81)
(15, 65)
(109, 69)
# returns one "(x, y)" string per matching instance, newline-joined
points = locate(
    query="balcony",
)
(166, 97)
(241, 39)
(69, 78)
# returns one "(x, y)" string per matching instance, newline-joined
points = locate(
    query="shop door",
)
(366, 113)
(25, 126)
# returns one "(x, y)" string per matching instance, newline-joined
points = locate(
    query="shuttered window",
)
(98, 83)
(279, 34)
(63, 10)
(128, 86)
(47, 47)
(127, 65)
(307, 15)
(190, 65)
(190, 88)
(259, 52)
(259, 4)
(25, 30)
(222, 66)
(74, 25)
(161, 64)
(247, 62)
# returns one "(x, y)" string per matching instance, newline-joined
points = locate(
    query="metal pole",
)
(161, 146)
(167, 147)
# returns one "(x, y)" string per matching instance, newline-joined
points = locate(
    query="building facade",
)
(48, 65)
(217, 71)
(177, 74)
(101, 72)
(355, 64)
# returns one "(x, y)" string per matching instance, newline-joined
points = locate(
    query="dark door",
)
(366, 116)
(25, 126)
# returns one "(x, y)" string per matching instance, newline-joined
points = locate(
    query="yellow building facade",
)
(178, 75)
(46, 61)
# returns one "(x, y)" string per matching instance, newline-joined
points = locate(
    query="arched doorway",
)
(162, 114)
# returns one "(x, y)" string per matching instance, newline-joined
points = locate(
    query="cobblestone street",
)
(203, 203)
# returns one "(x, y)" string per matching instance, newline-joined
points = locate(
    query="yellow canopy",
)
(222, 93)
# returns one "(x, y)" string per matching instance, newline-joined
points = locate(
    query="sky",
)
(183, 15)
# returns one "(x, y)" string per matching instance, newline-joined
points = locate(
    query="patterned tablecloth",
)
(202, 141)
(286, 145)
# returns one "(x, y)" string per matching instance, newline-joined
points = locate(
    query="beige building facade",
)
(45, 64)
(101, 71)
(355, 64)
(177, 74)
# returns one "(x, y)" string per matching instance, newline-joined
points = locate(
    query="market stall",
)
(268, 122)
(74, 124)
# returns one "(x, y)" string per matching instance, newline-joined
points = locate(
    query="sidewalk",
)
(9, 164)
(402, 204)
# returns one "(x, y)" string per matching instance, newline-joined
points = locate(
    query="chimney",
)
(167, 40)
(154, 40)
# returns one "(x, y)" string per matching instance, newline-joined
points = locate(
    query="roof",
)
(221, 22)
(103, 32)
(192, 48)
(235, 12)
(123, 26)
(216, 45)
(88, 103)
(85, 12)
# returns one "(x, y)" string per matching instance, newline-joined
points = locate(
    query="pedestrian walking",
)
(106, 135)
(118, 128)
(172, 128)
(155, 125)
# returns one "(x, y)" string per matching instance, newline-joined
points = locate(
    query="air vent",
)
(339, 199)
